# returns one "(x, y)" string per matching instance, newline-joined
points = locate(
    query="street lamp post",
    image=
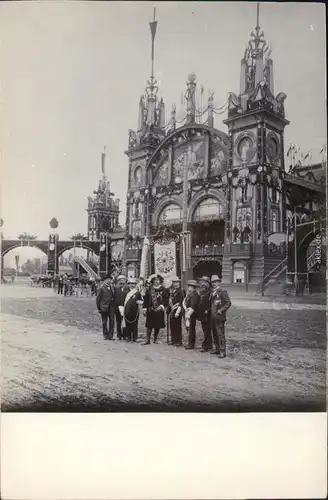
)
(295, 252)
(187, 162)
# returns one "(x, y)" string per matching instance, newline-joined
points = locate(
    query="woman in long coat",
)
(154, 306)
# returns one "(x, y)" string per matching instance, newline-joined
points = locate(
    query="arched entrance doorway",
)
(207, 268)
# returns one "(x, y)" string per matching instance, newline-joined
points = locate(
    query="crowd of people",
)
(121, 302)
(68, 286)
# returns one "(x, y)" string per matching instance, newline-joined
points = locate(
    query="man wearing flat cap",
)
(121, 290)
(175, 311)
(190, 305)
(220, 303)
(203, 312)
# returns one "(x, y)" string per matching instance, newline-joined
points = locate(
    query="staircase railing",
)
(274, 273)
(94, 259)
(86, 267)
(311, 260)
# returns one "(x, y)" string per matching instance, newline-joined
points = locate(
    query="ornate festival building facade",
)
(223, 197)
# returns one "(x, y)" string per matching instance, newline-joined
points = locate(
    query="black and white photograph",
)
(163, 207)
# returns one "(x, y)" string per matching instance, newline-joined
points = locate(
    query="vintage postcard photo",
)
(163, 207)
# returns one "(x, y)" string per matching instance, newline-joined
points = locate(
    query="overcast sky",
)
(72, 74)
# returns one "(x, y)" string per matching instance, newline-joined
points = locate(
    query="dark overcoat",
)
(192, 300)
(105, 298)
(120, 294)
(204, 305)
(220, 303)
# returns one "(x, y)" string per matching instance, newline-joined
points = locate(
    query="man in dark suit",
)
(220, 303)
(105, 306)
(190, 305)
(174, 311)
(203, 312)
(121, 290)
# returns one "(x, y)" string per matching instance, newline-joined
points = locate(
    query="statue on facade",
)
(132, 138)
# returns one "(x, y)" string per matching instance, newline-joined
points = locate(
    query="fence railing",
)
(273, 274)
(207, 251)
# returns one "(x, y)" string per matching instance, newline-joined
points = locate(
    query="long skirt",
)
(176, 330)
(155, 319)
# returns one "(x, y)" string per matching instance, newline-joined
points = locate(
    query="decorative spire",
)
(256, 57)
(104, 186)
(256, 77)
(151, 116)
(152, 87)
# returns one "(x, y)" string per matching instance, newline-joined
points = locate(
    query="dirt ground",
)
(54, 359)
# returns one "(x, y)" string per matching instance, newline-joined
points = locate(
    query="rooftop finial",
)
(152, 88)
(103, 161)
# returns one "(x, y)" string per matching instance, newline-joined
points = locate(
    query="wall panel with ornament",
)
(218, 156)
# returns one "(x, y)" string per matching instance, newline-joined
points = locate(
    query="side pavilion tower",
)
(254, 181)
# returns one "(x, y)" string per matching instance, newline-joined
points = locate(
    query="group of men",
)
(205, 302)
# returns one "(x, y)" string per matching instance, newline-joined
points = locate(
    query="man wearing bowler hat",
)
(190, 305)
(105, 306)
(220, 303)
(203, 312)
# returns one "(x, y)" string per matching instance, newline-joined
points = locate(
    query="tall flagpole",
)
(153, 27)
(103, 161)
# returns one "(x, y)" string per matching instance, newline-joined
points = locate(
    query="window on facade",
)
(136, 228)
(137, 176)
(274, 222)
(238, 272)
(244, 225)
(208, 209)
(137, 209)
(131, 271)
(170, 213)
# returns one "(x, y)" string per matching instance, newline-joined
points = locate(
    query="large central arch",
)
(183, 134)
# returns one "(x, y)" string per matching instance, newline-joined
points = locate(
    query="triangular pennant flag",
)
(153, 27)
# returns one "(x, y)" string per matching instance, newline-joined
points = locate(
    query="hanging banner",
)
(144, 258)
(165, 260)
